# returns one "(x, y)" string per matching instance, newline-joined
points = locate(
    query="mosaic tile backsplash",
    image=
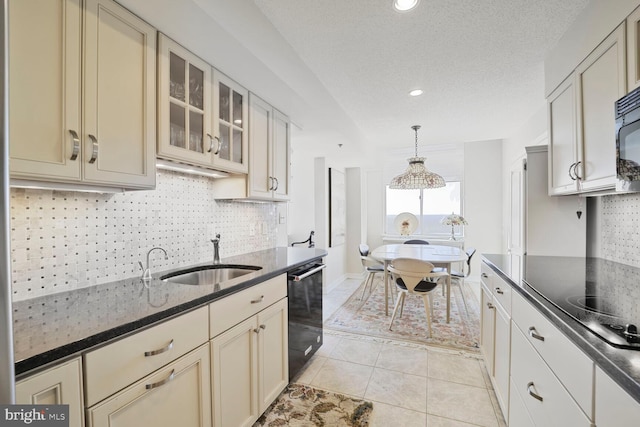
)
(62, 240)
(620, 228)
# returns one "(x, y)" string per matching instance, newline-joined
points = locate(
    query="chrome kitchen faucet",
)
(216, 249)
(146, 275)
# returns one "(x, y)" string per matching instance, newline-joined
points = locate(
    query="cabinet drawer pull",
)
(171, 376)
(277, 183)
(160, 350)
(575, 170)
(573, 177)
(219, 145)
(263, 327)
(499, 291)
(94, 149)
(534, 334)
(76, 145)
(532, 393)
(490, 306)
(271, 183)
(257, 300)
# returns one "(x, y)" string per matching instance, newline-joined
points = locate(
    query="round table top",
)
(429, 253)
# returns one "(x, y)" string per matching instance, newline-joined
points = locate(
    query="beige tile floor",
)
(409, 384)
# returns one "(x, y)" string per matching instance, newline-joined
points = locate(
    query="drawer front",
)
(486, 273)
(116, 365)
(547, 401)
(233, 309)
(569, 364)
(614, 406)
(501, 291)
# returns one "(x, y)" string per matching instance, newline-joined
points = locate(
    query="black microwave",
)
(627, 110)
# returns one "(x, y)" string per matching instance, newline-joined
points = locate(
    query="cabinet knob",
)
(532, 393)
(263, 327)
(499, 291)
(490, 306)
(76, 145)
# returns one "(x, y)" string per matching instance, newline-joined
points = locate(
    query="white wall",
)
(483, 200)
(355, 219)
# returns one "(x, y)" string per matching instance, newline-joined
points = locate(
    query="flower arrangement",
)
(453, 220)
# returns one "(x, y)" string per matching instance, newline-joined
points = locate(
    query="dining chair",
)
(459, 276)
(371, 266)
(411, 276)
(416, 242)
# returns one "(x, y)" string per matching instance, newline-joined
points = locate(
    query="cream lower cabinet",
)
(495, 338)
(90, 119)
(614, 406)
(179, 394)
(249, 366)
(61, 384)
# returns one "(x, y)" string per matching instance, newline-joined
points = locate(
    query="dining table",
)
(439, 255)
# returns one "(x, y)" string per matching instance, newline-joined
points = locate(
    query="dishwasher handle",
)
(297, 278)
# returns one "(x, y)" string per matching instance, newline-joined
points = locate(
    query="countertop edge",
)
(57, 355)
(591, 345)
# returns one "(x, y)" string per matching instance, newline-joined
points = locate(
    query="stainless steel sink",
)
(210, 274)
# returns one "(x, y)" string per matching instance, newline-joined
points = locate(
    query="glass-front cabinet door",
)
(184, 105)
(231, 111)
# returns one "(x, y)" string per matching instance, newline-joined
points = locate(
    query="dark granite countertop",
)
(622, 365)
(53, 327)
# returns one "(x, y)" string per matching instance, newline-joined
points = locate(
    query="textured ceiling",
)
(480, 63)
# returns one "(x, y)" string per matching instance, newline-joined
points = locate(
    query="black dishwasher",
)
(304, 289)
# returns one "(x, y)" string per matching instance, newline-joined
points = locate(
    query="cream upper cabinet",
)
(45, 119)
(202, 114)
(184, 105)
(231, 112)
(581, 123)
(633, 50)
(562, 138)
(600, 82)
(61, 384)
(91, 117)
(269, 151)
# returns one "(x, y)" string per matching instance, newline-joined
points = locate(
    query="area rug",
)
(300, 405)
(367, 317)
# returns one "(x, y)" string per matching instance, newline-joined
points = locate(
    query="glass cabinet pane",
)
(176, 126)
(196, 86)
(237, 109)
(225, 99)
(196, 131)
(176, 77)
(225, 148)
(237, 146)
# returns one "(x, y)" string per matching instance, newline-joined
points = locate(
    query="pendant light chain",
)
(415, 128)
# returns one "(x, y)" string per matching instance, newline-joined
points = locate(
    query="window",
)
(429, 206)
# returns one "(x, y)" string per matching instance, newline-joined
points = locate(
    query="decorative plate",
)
(406, 223)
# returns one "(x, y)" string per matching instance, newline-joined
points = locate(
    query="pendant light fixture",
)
(417, 176)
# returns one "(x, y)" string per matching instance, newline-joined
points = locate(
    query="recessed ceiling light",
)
(416, 92)
(404, 5)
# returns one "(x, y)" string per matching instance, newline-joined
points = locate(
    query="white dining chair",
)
(371, 266)
(412, 276)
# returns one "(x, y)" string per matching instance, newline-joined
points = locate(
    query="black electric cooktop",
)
(603, 296)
